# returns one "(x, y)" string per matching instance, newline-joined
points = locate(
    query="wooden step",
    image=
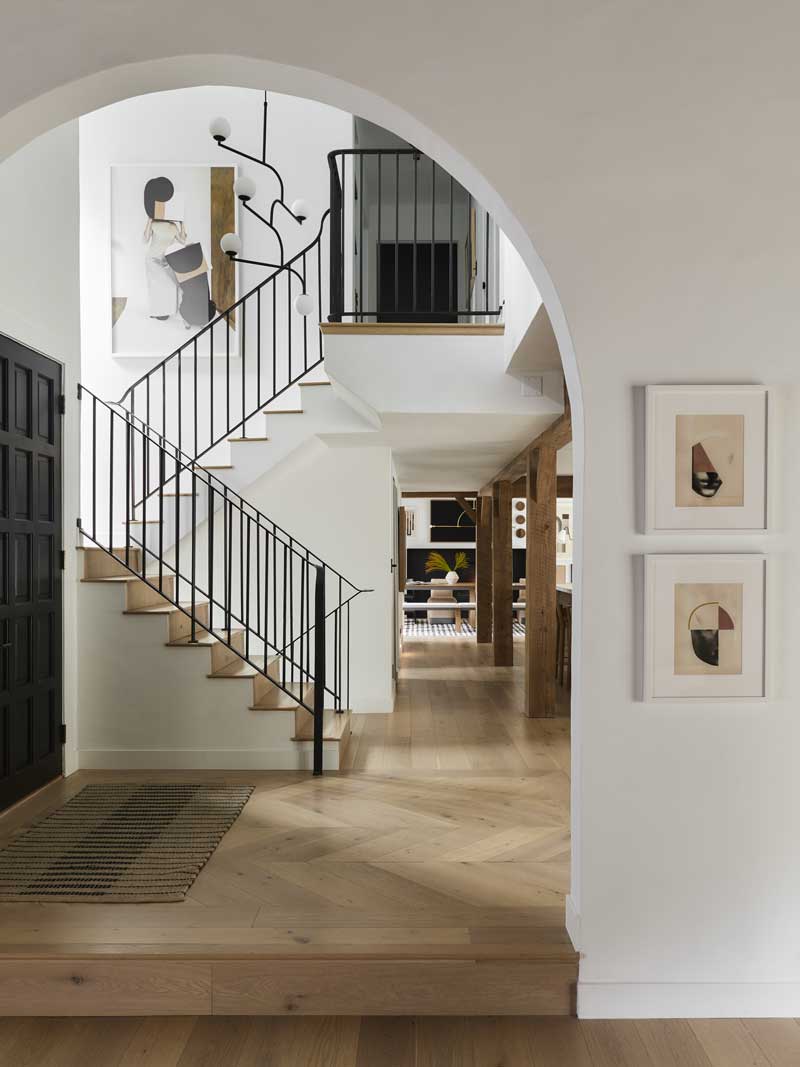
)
(139, 595)
(224, 654)
(308, 981)
(336, 726)
(166, 608)
(246, 440)
(312, 385)
(273, 698)
(180, 625)
(238, 668)
(97, 563)
(205, 639)
(284, 411)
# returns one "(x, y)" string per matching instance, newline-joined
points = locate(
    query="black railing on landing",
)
(243, 359)
(231, 570)
(407, 241)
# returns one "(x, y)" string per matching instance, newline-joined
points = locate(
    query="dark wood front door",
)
(30, 571)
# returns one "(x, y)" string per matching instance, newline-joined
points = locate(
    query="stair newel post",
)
(128, 474)
(162, 473)
(111, 482)
(319, 666)
(193, 638)
(210, 527)
(177, 512)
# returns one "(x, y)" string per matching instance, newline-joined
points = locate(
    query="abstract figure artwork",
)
(704, 627)
(166, 281)
(709, 461)
(708, 636)
(705, 457)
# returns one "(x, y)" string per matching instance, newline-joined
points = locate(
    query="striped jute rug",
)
(126, 843)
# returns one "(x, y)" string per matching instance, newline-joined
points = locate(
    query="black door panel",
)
(30, 571)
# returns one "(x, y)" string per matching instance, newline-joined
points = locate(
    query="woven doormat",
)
(126, 843)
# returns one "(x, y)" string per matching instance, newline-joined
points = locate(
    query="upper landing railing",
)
(408, 243)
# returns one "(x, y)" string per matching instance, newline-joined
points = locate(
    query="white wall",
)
(655, 175)
(520, 295)
(340, 502)
(39, 307)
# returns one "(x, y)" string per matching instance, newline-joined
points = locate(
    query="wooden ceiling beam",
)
(556, 436)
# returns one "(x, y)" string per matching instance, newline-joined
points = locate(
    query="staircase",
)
(162, 513)
(166, 526)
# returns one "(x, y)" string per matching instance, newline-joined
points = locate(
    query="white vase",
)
(451, 577)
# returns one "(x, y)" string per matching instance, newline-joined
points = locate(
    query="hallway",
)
(456, 712)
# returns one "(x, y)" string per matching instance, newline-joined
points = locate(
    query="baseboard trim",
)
(688, 1000)
(572, 921)
(297, 758)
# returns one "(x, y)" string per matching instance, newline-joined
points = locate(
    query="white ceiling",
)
(441, 452)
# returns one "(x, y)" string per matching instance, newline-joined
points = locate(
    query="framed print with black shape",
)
(706, 458)
(704, 627)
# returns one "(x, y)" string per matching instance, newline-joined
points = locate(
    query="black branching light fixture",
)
(245, 189)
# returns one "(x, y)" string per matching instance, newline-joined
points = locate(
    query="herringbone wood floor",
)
(448, 833)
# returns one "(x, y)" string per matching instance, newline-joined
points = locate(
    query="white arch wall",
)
(647, 152)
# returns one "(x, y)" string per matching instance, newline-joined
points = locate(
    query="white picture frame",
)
(674, 416)
(713, 580)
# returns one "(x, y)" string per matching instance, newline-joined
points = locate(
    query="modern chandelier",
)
(245, 189)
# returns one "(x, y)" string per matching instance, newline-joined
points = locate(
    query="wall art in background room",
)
(706, 457)
(169, 277)
(704, 627)
(449, 521)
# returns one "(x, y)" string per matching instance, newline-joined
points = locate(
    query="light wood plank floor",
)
(448, 835)
(398, 1042)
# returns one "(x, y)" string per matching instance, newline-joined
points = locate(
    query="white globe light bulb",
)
(219, 128)
(244, 188)
(300, 209)
(304, 304)
(231, 244)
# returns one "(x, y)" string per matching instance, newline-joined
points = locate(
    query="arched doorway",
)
(112, 85)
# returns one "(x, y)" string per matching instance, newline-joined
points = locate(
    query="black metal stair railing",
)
(233, 572)
(223, 376)
(408, 241)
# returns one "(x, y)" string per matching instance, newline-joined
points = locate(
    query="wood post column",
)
(483, 564)
(540, 584)
(502, 570)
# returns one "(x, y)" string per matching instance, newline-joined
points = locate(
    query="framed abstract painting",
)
(705, 627)
(169, 276)
(706, 458)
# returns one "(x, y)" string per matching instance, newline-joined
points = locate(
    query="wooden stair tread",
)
(283, 411)
(239, 669)
(215, 467)
(337, 727)
(113, 578)
(281, 700)
(244, 440)
(312, 385)
(164, 609)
